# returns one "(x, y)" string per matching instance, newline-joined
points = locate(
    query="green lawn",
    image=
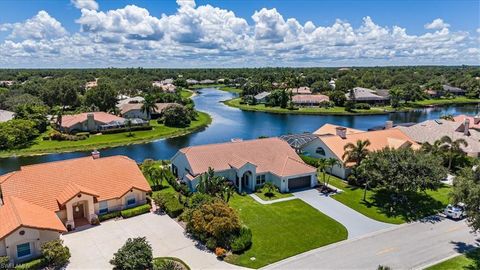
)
(283, 229)
(41, 146)
(378, 203)
(185, 93)
(446, 101)
(275, 195)
(469, 261)
(230, 89)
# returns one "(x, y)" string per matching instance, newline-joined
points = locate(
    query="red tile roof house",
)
(309, 100)
(88, 122)
(43, 200)
(248, 164)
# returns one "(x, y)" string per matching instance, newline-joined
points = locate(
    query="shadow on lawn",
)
(472, 252)
(410, 207)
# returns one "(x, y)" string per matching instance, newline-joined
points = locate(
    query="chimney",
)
(95, 154)
(466, 127)
(476, 119)
(388, 124)
(341, 132)
(90, 122)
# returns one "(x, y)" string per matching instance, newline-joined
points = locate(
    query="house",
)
(261, 97)
(461, 128)
(87, 122)
(329, 144)
(207, 81)
(134, 110)
(365, 95)
(166, 85)
(454, 90)
(6, 116)
(128, 100)
(309, 100)
(91, 84)
(191, 81)
(304, 90)
(473, 121)
(43, 200)
(247, 164)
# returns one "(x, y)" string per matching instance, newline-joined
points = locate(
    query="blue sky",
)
(88, 33)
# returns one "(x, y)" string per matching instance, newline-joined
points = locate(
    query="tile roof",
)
(136, 99)
(124, 108)
(329, 129)
(269, 155)
(16, 213)
(50, 184)
(301, 90)
(301, 99)
(6, 115)
(365, 94)
(103, 117)
(379, 139)
(462, 118)
(262, 95)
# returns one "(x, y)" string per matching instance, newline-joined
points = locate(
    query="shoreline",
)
(276, 110)
(83, 148)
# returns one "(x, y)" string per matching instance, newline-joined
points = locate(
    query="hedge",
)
(310, 160)
(142, 209)
(169, 203)
(110, 215)
(121, 130)
(35, 264)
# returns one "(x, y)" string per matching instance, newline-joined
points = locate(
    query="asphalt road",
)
(410, 246)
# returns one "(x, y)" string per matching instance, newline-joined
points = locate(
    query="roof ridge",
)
(223, 143)
(70, 159)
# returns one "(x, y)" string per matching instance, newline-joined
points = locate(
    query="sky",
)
(237, 33)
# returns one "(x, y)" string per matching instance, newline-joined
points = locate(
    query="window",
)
(130, 201)
(320, 151)
(103, 207)
(23, 250)
(261, 179)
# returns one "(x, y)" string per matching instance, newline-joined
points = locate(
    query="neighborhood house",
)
(304, 90)
(41, 201)
(95, 122)
(135, 110)
(370, 96)
(248, 164)
(309, 100)
(261, 97)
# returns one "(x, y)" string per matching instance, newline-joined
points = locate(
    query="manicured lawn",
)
(41, 146)
(267, 196)
(446, 101)
(184, 93)
(283, 229)
(469, 261)
(230, 89)
(378, 204)
(304, 110)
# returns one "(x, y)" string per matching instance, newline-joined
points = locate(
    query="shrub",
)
(169, 263)
(35, 264)
(142, 209)
(211, 243)
(135, 254)
(326, 104)
(55, 253)
(169, 203)
(110, 215)
(310, 160)
(243, 241)
(95, 221)
(220, 252)
(4, 262)
(176, 115)
(362, 106)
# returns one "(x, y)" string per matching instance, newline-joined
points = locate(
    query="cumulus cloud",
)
(41, 26)
(437, 24)
(205, 35)
(87, 4)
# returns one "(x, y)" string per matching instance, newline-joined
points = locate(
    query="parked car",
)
(456, 211)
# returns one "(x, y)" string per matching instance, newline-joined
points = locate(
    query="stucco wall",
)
(33, 236)
(3, 251)
(121, 203)
(311, 148)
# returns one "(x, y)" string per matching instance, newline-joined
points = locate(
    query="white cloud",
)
(41, 26)
(437, 24)
(87, 4)
(204, 35)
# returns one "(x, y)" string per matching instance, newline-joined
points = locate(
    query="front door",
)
(78, 211)
(245, 180)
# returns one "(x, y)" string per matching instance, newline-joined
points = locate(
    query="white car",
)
(456, 211)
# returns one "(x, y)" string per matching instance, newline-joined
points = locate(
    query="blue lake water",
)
(231, 123)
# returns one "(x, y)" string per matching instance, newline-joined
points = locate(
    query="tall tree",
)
(356, 152)
(466, 189)
(149, 105)
(452, 148)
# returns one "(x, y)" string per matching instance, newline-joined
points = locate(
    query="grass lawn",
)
(230, 89)
(446, 101)
(378, 203)
(185, 93)
(277, 230)
(40, 146)
(266, 196)
(304, 110)
(468, 261)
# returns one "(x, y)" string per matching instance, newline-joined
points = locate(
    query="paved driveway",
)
(410, 246)
(356, 223)
(94, 247)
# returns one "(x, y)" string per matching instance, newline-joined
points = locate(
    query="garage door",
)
(299, 182)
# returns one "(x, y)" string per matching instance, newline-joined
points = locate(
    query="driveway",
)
(356, 223)
(410, 246)
(92, 248)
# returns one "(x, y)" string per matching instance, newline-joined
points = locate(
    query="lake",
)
(231, 123)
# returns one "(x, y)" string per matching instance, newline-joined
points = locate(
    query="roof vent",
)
(95, 154)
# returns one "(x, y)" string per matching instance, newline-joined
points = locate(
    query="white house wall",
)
(311, 148)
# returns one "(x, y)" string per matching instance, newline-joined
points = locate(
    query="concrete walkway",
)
(93, 248)
(409, 246)
(356, 223)
(259, 200)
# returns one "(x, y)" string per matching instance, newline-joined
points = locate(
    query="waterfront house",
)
(134, 110)
(6, 116)
(304, 90)
(166, 85)
(309, 100)
(454, 90)
(191, 81)
(87, 122)
(43, 200)
(365, 95)
(128, 100)
(261, 97)
(247, 164)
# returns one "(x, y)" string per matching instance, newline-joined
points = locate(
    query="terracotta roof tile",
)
(103, 117)
(329, 129)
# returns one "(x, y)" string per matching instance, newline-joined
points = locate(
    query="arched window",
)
(320, 151)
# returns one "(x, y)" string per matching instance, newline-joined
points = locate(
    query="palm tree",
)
(331, 162)
(321, 166)
(149, 105)
(356, 152)
(431, 148)
(452, 147)
(155, 175)
(128, 124)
